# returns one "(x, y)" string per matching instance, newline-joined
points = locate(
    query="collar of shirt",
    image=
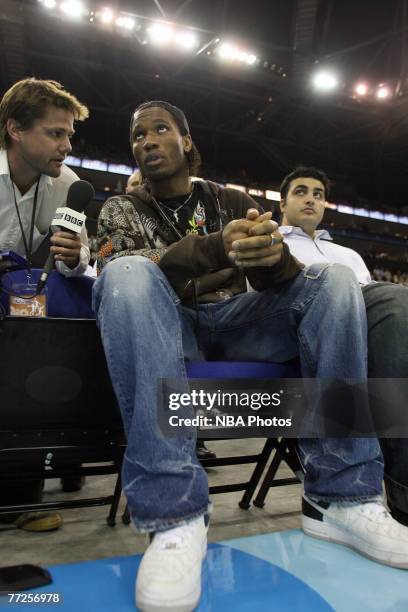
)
(5, 172)
(4, 167)
(285, 230)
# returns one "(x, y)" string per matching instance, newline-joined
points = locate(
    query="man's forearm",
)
(194, 256)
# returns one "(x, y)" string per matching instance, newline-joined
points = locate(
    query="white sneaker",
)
(169, 576)
(367, 528)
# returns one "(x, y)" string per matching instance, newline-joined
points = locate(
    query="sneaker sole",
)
(330, 533)
(186, 604)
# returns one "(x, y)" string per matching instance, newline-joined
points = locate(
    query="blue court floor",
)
(285, 571)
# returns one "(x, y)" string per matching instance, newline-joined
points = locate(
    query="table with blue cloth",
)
(66, 297)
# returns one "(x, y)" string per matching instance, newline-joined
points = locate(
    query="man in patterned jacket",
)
(174, 258)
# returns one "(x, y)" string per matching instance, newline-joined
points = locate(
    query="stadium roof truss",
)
(280, 117)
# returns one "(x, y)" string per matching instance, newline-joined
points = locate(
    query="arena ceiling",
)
(251, 123)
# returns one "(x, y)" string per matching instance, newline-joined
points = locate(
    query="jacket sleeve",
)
(264, 278)
(193, 256)
(121, 233)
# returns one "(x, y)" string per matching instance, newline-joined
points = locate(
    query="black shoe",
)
(70, 484)
(203, 452)
(399, 515)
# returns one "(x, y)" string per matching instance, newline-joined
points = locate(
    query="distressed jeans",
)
(147, 334)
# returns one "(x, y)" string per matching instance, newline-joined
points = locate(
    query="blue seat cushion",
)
(243, 369)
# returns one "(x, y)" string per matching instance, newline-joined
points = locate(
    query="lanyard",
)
(27, 245)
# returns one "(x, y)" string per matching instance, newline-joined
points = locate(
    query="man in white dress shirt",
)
(36, 126)
(303, 196)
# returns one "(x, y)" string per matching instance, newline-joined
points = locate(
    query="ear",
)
(187, 143)
(282, 205)
(13, 130)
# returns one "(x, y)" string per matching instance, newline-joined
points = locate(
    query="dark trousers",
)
(387, 318)
(15, 492)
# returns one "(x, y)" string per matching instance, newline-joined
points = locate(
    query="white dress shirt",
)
(52, 193)
(321, 248)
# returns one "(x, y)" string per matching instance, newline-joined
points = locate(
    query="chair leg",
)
(291, 457)
(111, 518)
(259, 500)
(256, 475)
(285, 451)
(126, 516)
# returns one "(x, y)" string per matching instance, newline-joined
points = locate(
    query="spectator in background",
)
(379, 274)
(134, 181)
(303, 195)
(93, 247)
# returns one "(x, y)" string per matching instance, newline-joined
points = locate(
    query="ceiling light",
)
(383, 92)
(126, 23)
(106, 15)
(325, 80)
(186, 40)
(228, 51)
(160, 33)
(251, 59)
(361, 89)
(73, 8)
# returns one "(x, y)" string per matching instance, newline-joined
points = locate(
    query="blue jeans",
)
(147, 334)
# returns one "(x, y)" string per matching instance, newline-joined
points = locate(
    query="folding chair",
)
(285, 450)
(235, 370)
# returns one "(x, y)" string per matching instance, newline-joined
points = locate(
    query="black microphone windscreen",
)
(79, 195)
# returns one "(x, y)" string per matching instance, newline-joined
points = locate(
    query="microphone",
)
(70, 218)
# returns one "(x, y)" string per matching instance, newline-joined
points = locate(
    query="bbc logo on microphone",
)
(69, 219)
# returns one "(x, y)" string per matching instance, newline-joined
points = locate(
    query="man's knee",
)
(124, 268)
(398, 305)
(387, 308)
(125, 279)
(336, 276)
(340, 273)
(392, 297)
(133, 282)
(129, 275)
